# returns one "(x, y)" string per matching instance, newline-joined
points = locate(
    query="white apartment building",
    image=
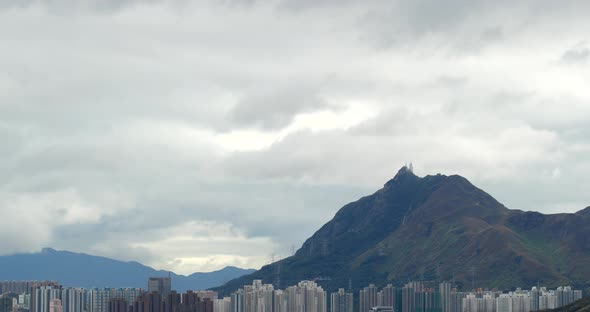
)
(222, 305)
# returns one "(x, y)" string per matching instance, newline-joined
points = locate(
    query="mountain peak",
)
(406, 169)
(404, 173)
(415, 226)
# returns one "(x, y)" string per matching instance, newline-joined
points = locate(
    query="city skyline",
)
(305, 296)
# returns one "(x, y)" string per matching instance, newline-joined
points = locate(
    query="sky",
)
(191, 135)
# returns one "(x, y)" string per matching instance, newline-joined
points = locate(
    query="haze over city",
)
(192, 135)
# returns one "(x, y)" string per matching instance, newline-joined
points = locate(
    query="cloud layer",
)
(190, 135)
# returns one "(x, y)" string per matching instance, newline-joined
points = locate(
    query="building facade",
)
(368, 298)
(162, 285)
(341, 301)
(99, 298)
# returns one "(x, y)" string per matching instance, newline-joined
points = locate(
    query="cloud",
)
(276, 109)
(131, 127)
(31, 218)
(576, 55)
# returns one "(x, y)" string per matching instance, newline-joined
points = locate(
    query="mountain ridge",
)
(437, 227)
(72, 269)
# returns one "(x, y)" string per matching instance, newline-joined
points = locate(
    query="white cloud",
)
(30, 219)
(207, 246)
(221, 132)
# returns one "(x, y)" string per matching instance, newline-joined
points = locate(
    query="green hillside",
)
(437, 227)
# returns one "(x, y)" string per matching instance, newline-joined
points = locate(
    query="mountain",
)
(578, 306)
(82, 270)
(437, 227)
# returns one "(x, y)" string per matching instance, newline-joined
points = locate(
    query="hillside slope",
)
(582, 305)
(437, 227)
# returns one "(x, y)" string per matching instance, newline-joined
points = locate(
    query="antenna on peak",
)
(411, 167)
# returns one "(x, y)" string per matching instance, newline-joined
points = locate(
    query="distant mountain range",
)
(437, 228)
(82, 270)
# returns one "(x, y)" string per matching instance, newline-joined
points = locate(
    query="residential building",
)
(43, 295)
(74, 299)
(535, 295)
(6, 304)
(368, 298)
(504, 303)
(457, 301)
(99, 298)
(172, 302)
(224, 305)
(55, 306)
(444, 289)
(162, 285)
(258, 297)
(387, 296)
(148, 302)
(341, 301)
(118, 305)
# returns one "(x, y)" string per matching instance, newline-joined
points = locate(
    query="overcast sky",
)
(190, 135)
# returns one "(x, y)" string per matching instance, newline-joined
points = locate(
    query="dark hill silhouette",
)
(437, 227)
